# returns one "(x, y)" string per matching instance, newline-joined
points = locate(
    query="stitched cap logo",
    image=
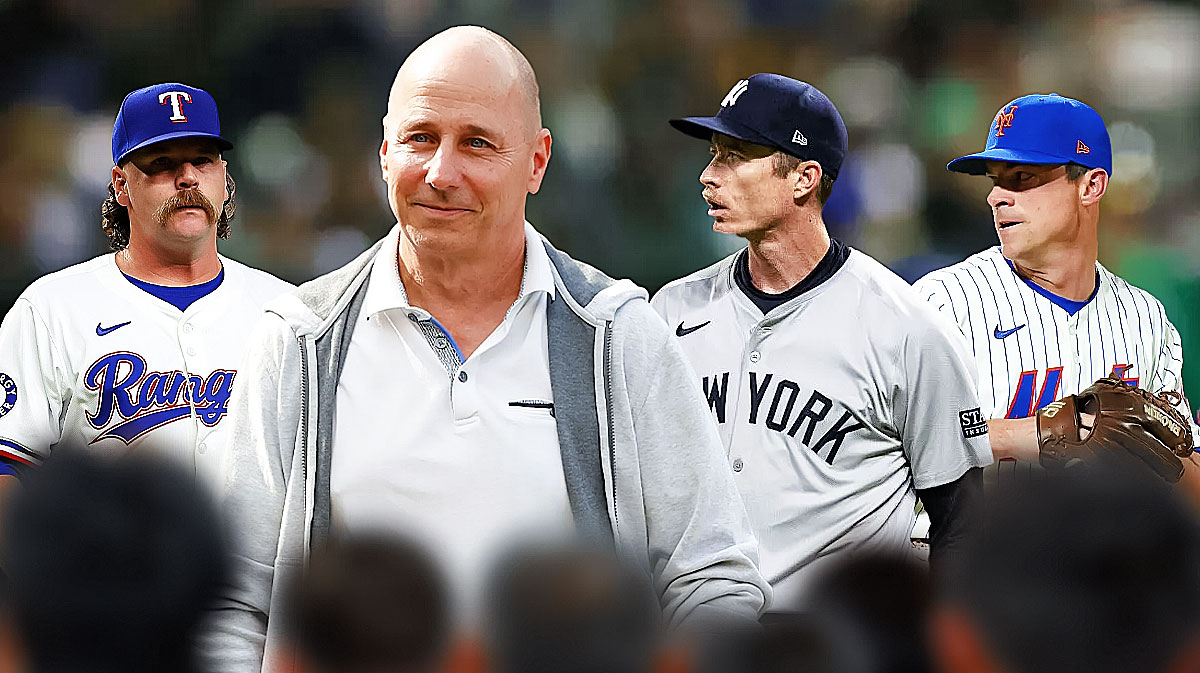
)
(799, 138)
(734, 93)
(1004, 119)
(1080, 148)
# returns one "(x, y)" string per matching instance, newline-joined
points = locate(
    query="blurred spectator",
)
(1098, 574)
(369, 605)
(571, 610)
(110, 565)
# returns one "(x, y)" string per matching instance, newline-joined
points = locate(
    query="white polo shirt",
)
(463, 455)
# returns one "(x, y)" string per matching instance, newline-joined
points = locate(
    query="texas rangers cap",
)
(163, 112)
(1042, 128)
(779, 112)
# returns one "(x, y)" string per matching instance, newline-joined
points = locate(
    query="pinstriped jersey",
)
(1030, 351)
(832, 406)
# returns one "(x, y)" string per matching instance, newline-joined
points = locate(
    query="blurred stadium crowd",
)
(1107, 584)
(301, 87)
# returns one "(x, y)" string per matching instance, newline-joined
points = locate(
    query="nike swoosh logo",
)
(101, 331)
(684, 331)
(1000, 334)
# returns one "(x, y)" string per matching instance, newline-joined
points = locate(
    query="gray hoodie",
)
(643, 463)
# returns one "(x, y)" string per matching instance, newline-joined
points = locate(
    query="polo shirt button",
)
(412, 317)
(441, 343)
(462, 376)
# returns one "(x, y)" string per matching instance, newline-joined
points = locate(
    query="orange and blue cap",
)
(1042, 128)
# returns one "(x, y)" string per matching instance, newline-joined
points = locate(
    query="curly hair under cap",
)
(114, 218)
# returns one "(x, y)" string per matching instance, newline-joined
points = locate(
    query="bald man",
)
(466, 384)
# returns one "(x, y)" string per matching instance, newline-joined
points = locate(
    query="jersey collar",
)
(1071, 306)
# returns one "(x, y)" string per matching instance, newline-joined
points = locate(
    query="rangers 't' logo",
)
(177, 99)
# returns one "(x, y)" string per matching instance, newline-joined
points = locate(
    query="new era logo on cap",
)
(164, 112)
(1042, 129)
(769, 110)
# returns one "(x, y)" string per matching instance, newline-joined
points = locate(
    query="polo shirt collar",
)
(385, 291)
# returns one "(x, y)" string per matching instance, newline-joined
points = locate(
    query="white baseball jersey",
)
(1029, 350)
(833, 406)
(89, 359)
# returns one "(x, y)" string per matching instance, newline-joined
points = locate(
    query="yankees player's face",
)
(461, 151)
(1035, 207)
(174, 191)
(745, 195)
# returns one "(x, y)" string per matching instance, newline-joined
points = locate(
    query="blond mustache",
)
(186, 198)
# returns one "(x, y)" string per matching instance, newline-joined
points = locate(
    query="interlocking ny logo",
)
(737, 90)
(177, 99)
(1004, 119)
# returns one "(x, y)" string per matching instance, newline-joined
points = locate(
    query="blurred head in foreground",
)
(110, 564)
(369, 605)
(1097, 574)
(570, 609)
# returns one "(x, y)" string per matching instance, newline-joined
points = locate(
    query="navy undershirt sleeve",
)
(952, 513)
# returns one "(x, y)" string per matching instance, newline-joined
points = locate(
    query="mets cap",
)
(164, 112)
(781, 113)
(1042, 128)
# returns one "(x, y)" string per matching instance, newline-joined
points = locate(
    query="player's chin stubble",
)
(187, 198)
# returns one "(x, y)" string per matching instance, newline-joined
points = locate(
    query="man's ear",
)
(383, 161)
(808, 179)
(120, 186)
(1092, 186)
(541, 158)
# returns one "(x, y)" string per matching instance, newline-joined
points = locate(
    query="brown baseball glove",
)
(1129, 424)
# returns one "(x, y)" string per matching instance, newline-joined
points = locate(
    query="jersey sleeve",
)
(34, 386)
(942, 428)
(1168, 373)
(933, 290)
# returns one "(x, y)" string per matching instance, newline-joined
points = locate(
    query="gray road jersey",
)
(833, 407)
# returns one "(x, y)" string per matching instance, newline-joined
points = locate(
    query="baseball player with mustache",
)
(140, 346)
(839, 394)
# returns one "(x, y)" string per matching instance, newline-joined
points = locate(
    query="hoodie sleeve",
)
(673, 484)
(264, 415)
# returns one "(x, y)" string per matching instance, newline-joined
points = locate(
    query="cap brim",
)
(704, 127)
(221, 142)
(976, 164)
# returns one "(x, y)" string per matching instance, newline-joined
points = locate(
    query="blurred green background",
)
(302, 85)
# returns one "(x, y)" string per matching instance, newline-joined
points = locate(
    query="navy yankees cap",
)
(779, 112)
(1042, 128)
(163, 112)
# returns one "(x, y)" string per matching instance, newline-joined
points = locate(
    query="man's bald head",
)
(469, 50)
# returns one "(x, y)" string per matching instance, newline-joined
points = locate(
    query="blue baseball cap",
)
(1042, 128)
(164, 112)
(778, 112)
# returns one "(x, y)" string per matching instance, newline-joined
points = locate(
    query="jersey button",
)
(191, 351)
(765, 329)
(737, 465)
(462, 376)
(187, 328)
(202, 448)
(441, 343)
(754, 356)
(412, 317)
